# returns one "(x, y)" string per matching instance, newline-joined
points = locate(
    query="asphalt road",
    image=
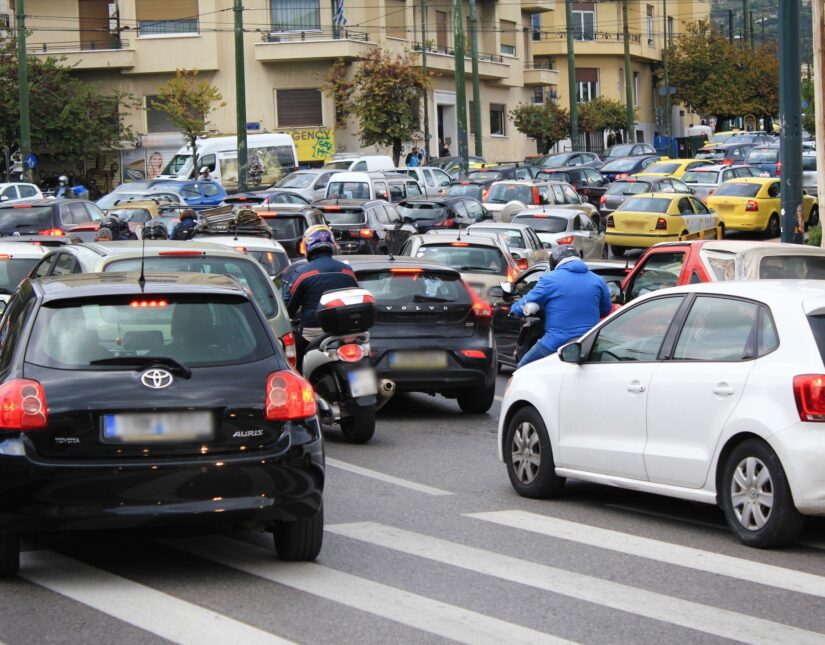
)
(426, 542)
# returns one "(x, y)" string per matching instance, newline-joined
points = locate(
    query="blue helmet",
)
(318, 238)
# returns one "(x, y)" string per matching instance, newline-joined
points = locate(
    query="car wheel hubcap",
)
(526, 453)
(751, 493)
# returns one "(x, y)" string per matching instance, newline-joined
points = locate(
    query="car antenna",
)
(142, 276)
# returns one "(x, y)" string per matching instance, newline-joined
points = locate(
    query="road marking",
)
(426, 614)
(134, 603)
(374, 474)
(683, 556)
(685, 613)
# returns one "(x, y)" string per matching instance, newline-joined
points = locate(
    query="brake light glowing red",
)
(365, 233)
(473, 353)
(406, 270)
(565, 240)
(332, 208)
(5, 256)
(522, 263)
(152, 304)
(726, 162)
(182, 253)
(512, 274)
(752, 206)
(53, 232)
(448, 222)
(241, 249)
(289, 396)
(459, 244)
(603, 199)
(622, 175)
(778, 168)
(350, 353)
(480, 307)
(23, 405)
(809, 392)
(290, 351)
(536, 198)
(661, 224)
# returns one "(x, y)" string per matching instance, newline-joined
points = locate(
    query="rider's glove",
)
(530, 308)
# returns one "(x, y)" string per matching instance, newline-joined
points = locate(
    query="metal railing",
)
(168, 27)
(545, 66)
(596, 36)
(105, 44)
(483, 57)
(290, 36)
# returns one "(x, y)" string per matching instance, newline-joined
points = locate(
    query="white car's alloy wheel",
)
(526, 452)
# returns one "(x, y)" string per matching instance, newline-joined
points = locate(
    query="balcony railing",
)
(167, 27)
(531, 66)
(483, 57)
(319, 34)
(106, 44)
(597, 36)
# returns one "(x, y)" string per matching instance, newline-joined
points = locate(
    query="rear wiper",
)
(145, 361)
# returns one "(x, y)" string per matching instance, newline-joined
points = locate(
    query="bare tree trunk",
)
(396, 152)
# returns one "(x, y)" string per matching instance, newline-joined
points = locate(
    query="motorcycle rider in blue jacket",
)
(573, 298)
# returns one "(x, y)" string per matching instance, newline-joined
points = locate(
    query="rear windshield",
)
(620, 151)
(809, 162)
(470, 190)
(817, 324)
(414, 285)
(338, 165)
(554, 160)
(286, 228)
(794, 267)
(345, 216)
(17, 219)
(244, 271)
(470, 259)
(273, 262)
(763, 156)
(543, 223)
(426, 210)
(663, 168)
(194, 332)
(646, 205)
(721, 138)
(704, 178)
(737, 190)
(620, 165)
(296, 180)
(503, 193)
(628, 188)
(555, 176)
(512, 237)
(710, 153)
(348, 189)
(486, 175)
(138, 215)
(13, 271)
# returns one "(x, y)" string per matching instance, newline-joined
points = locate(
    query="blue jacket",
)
(303, 287)
(573, 299)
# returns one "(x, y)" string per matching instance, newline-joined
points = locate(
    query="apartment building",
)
(599, 54)
(289, 47)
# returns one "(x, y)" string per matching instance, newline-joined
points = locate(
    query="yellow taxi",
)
(649, 218)
(752, 204)
(672, 167)
(718, 138)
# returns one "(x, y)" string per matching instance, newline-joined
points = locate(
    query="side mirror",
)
(4, 198)
(507, 288)
(571, 353)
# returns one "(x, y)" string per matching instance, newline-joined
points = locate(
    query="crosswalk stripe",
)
(683, 556)
(685, 613)
(374, 474)
(134, 603)
(435, 617)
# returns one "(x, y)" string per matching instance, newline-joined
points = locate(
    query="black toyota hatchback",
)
(123, 406)
(431, 332)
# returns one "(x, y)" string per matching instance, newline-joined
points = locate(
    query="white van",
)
(274, 154)
(361, 163)
(392, 187)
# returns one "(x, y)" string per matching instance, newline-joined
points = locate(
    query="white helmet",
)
(63, 179)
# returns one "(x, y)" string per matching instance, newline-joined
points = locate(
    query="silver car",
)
(311, 184)
(523, 242)
(434, 181)
(557, 226)
(705, 180)
(809, 172)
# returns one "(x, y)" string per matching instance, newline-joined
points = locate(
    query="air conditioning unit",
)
(5, 21)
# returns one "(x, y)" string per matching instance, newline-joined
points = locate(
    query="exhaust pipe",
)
(386, 388)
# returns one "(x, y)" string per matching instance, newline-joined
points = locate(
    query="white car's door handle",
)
(723, 389)
(636, 387)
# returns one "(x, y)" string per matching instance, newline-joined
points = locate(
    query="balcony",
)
(110, 53)
(537, 6)
(293, 46)
(540, 74)
(600, 43)
(441, 60)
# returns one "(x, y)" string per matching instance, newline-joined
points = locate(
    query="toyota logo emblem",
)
(156, 379)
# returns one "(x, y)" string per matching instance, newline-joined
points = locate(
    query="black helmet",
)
(562, 252)
(112, 223)
(155, 230)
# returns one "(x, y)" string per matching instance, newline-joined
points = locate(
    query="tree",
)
(603, 113)
(71, 119)
(384, 95)
(809, 112)
(188, 103)
(546, 123)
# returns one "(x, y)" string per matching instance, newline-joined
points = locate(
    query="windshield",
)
(554, 160)
(503, 193)
(470, 190)
(286, 228)
(345, 216)
(425, 210)
(469, 258)
(348, 190)
(662, 168)
(763, 156)
(646, 205)
(194, 332)
(273, 262)
(17, 219)
(792, 267)
(729, 189)
(543, 223)
(296, 180)
(619, 151)
(180, 165)
(243, 270)
(629, 188)
(13, 271)
(414, 285)
(620, 165)
(702, 177)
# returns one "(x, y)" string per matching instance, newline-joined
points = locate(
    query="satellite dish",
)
(511, 209)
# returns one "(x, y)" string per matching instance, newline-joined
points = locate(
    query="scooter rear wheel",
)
(359, 427)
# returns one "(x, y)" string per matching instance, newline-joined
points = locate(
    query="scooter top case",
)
(346, 311)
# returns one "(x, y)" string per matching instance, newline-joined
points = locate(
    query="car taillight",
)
(290, 351)
(536, 197)
(473, 353)
(565, 240)
(711, 191)
(603, 199)
(522, 263)
(726, 162)
(661, 224)
(448, 223)
(480, 307)
(610, 223)
(350, 353)
(54, 232)
(778, 168)
(809, 392)
(484, 195)
(289, 396)
(752, 205)
(365, 233)
(22, 405)
(622, 175)
(512, 274)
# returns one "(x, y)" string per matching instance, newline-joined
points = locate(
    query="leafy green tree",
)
(188, 102)
(602, 113)
(384, 95)
(71, 119)
(547, 123)
(808, 113)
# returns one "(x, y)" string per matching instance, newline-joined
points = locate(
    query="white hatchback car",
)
(713, 393)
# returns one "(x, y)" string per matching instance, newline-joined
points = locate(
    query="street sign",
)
(804, 105)
(253, 125)
(30, 162)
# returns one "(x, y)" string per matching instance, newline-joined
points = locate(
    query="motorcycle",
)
(338, 366)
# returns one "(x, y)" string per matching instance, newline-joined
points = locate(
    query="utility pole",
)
(240, 97)
(750, 20)
(628, 81)
(476, 85)
(746, 12)
(23, 82)
(818, 8)
(571, 76)
(790, 100)
(426, 96)
(460, 90)
(665, 58)
(730, 25)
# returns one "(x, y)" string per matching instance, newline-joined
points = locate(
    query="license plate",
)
(362, 383)
(418, 360)
(158, 427)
